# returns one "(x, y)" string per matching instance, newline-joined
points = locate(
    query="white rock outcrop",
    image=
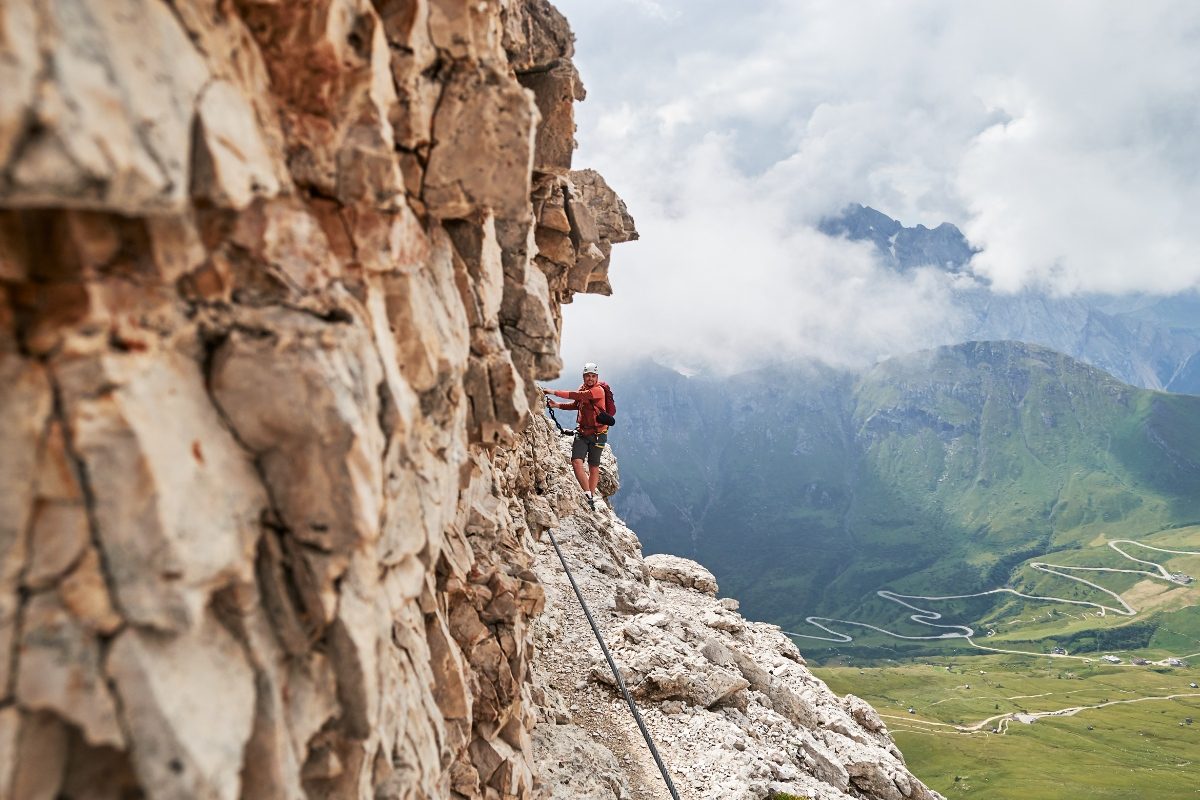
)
(681, 572)
(730, 703)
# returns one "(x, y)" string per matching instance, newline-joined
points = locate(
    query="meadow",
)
(1148, 748)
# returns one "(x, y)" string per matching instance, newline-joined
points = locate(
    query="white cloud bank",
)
(1061, 137)
(722, 277)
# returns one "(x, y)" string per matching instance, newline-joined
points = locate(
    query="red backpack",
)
(609, 415)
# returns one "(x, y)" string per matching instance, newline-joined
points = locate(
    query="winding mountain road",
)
(928, 617)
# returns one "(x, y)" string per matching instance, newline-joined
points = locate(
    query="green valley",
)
(995, 545)
(986, 469)
(1033, 728)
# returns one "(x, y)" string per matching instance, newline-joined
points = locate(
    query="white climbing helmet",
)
(590, 367)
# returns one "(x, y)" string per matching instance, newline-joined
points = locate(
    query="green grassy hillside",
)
(1135, 734)
(941, 473)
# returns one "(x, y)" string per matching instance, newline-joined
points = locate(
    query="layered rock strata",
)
(275, 279)
(730, 703)
(276, 282)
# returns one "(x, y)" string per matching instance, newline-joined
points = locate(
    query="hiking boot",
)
(591, 501)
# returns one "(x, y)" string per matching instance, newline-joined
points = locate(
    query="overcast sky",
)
(1063, 138)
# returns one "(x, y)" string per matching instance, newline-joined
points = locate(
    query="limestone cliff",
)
(275, 277)
(276, 282)
(730, 703)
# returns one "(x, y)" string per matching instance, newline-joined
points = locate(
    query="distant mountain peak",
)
(902, 248)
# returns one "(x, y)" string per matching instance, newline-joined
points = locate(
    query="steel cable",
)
(613, 666)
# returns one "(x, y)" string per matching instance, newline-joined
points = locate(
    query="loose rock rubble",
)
(730, 703)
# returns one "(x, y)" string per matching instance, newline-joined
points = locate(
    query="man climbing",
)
(590, 434)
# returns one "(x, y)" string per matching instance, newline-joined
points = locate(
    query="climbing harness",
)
(561, 430)
(613, 665)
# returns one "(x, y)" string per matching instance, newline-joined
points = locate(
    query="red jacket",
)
(589, 403)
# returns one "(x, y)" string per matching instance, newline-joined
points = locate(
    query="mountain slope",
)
(1144, 341)
(728, 471)
(806, 490)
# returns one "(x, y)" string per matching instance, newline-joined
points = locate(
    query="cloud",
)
(1060, 137)
(653, 9)
(722, 278)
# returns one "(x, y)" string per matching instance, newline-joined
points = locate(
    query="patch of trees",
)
(1126, 637)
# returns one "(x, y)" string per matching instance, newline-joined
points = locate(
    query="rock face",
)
(276, 279)
(276, 284)
(729, 702)
(899, 247)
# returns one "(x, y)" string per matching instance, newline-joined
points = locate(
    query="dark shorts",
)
(589, 447)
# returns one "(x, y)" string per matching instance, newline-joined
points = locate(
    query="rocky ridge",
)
(276, 283)
(730, 702)
(275, 280)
